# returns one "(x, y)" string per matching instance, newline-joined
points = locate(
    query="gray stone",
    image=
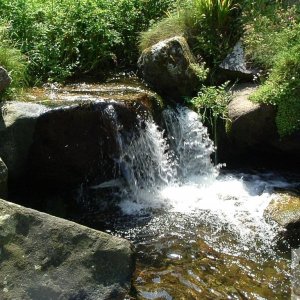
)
(44, 257)
(4, 79)
(234, 66)
(252, 124)
(253, 131)
(3, 179)
(17, 125)
(168, 68)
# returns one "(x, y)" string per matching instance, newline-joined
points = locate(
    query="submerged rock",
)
(4, 79)
(168, 68)
(3, 179)
(44, 257)
(285, 210)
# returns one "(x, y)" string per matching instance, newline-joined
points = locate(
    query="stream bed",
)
(199, 231)
(209, 242)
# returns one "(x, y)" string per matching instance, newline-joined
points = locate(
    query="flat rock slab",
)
(285, 210)
(44, 257)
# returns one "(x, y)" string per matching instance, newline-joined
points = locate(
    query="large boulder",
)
(252, 135)
(4, 79)
(168, 68)
(251, 123)
(17, 126)
(3, 179)
(77, 144)
(44, 257)
(63, 147)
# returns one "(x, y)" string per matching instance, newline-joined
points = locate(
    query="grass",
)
(15, 64)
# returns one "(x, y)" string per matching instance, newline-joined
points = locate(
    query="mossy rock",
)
(168, 67)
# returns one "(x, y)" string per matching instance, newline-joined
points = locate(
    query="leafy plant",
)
(282, 88)
(272, 40)
(64, 38)
(14, 62)
(211, 103)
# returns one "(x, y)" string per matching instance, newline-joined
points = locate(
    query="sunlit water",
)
(199, 233)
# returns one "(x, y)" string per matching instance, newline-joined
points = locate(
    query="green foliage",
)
(269, 32)
(67, 37)
(211, 102)
(283, 89)
(200, 71)
(166, 28)
(212, 27)
(272, 40)
(14, 62)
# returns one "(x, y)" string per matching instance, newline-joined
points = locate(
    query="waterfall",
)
(152, 162)
(172, 171)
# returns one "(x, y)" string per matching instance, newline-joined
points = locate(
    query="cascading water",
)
(176, 175)
(199, 233)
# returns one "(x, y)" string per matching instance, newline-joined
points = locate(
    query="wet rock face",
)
(44, 257)
(166, 67)
(4, 79)
(17, 125)
(3, 179)
(59, 149)
(76, 144)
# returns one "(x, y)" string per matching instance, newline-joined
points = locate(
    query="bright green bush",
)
(272, 40)
(63, 38)
(268, 32)
(283, 89)
(14, 62)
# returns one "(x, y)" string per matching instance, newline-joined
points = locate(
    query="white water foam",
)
(180, 178)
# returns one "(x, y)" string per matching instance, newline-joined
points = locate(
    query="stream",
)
(199, 230)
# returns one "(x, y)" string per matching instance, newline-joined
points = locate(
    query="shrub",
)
(74, 37)
(269, 32)
(283, 89)
(14, 62)
(272, 41)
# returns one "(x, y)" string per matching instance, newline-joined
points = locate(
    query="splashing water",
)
(175, 175)
(199, 232)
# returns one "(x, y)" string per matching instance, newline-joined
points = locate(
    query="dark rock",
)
(234, 67)
(3, 179)
(168, 68)
(44, 257)
(17, 125)
(76, 144)
(4, 79)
